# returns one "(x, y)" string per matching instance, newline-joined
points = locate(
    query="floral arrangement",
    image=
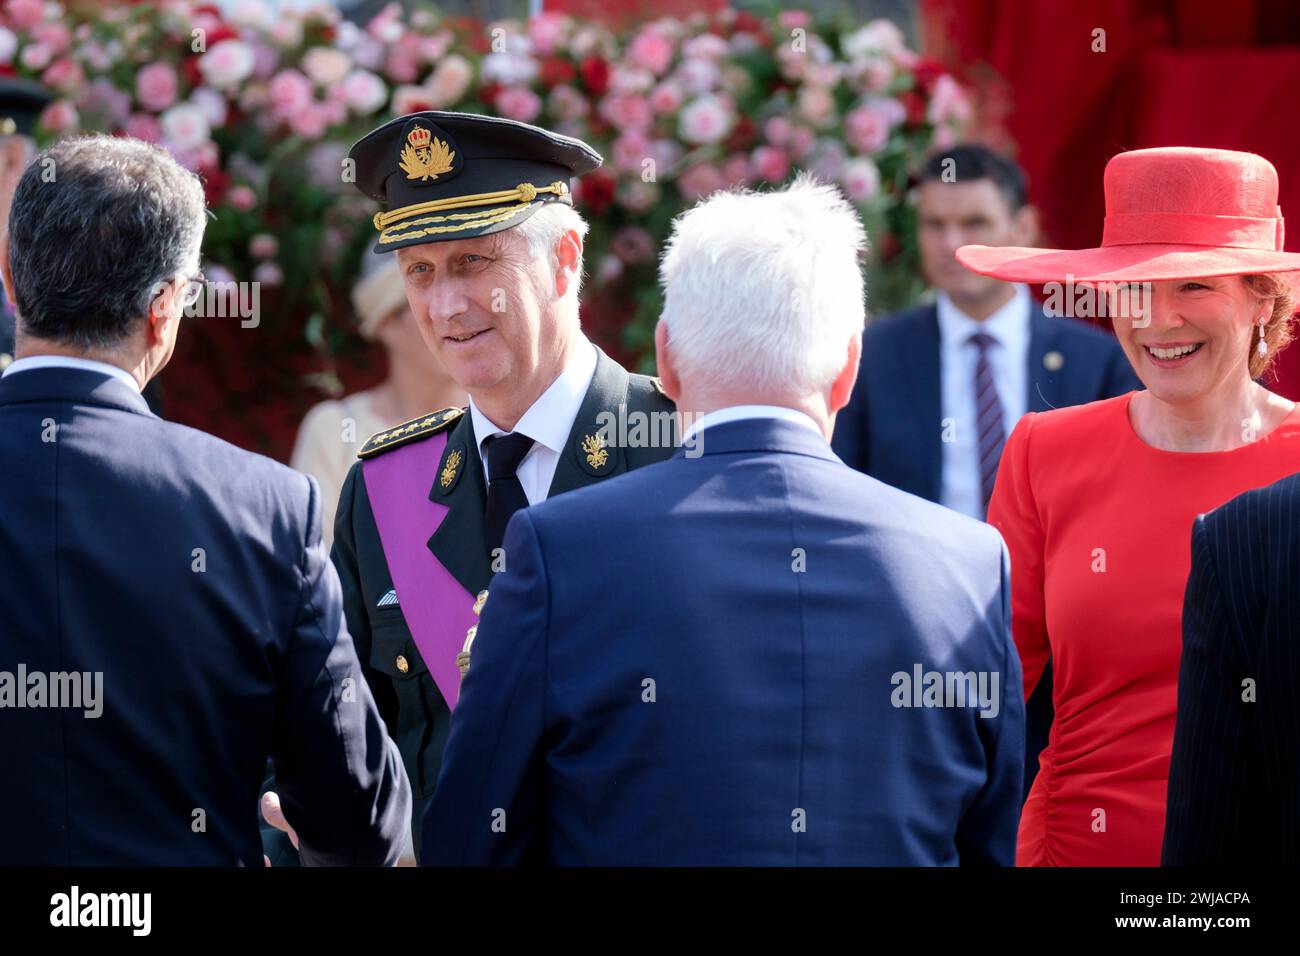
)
(265, 105)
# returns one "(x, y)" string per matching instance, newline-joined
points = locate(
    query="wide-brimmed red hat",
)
(1177, 212)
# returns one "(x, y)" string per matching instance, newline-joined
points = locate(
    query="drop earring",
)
(1262, 348)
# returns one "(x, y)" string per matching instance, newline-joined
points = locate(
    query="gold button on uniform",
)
(402, 664)
(1053, 361)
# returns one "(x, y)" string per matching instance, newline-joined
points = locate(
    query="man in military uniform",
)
(481, 221)
(21, 103)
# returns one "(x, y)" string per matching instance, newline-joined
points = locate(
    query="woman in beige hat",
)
(417, 383)
(1096, 502)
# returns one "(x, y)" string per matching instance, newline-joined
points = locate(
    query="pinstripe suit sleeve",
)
(1213, 775)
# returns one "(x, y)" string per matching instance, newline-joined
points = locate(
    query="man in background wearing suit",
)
(755, 697)
(1234, 775)
(171, 616)
(943, 384)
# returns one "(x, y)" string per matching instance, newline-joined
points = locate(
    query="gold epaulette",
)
(414, 430)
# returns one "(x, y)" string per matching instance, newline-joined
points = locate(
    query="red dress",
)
(1098, 525)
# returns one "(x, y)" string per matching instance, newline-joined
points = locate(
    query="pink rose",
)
(263, 246)
(802, 141)
(638, 196)
(269, 274)
(35, 56)
(60, 117)
(633, 245)
(867, 129)
(325, 66)
(25, 14)
(706, 46)
(860, 179)
(816, 105)
(143, 126)
(401, 66)
(568, 104)
(652, 50)
(411, 99)
(699, 181)
(789, 19)
(948, 103)
(242, 198)
(227, 64)
(54, 35)
(626, 111)
(698, 75)
(8, 46)
(155, 87)
(736, 171)
(518, 103)
(778, 130)
(667, 97)
(707, 119)
(184, 127)
(212, 104)
(310, 122)
(547, 31)
(64, 75)
(363, 92)
(770, 164)
(290, 92)
(629, 151)
(450, 81)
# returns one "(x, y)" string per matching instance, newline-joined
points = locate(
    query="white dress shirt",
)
(67, 361)
(1008, 358)
(736, 413)
(548, 422)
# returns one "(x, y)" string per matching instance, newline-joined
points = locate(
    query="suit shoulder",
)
(646, 393)
(417, 429)
(1258, 510)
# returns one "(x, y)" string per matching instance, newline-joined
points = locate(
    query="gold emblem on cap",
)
(425, 156)
(449, 470)
(1052, 361)
(593, 446)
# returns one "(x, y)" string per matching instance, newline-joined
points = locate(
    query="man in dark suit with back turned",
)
(943, 384)
(171, 616)
(1234, 775)
(757, 699)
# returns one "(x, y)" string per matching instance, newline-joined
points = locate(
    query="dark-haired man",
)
(941, 385)
(171, 617)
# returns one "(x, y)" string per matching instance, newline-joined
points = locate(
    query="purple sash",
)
(437, 609)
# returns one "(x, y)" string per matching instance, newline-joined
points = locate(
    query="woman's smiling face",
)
(1190, 337)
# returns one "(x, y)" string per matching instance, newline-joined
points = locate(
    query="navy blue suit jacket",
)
(892, 427)
(1234, 776)
(211, 660)
(655, 681)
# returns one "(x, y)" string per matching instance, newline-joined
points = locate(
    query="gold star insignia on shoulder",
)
(595, 454)
(417, 428)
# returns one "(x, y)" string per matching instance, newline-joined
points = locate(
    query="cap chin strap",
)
(487, 211)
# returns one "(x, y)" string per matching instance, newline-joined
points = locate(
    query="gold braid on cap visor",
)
(490, 211)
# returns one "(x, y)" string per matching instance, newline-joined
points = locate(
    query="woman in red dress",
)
(1096, 502)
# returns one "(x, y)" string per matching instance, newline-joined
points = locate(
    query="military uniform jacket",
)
(415, 710)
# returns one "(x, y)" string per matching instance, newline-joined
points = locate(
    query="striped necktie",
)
(989, 425)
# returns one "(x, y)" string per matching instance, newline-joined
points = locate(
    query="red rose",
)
(595, 192)
(556, 71)
(747, 23)
(888, 246)
(741, 137)
(595, 75)
(914, 102)
(487, 94)
(215, 185)
(926, 72)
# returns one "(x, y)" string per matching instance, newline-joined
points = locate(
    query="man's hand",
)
(274, 815)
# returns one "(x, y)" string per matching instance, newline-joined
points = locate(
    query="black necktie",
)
(505, 494)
